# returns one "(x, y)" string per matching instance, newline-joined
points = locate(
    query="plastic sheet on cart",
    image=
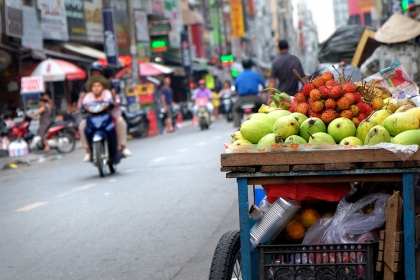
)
(404, 152)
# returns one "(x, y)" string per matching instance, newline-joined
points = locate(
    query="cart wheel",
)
(226, 263)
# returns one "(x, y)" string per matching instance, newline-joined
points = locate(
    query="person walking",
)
(167, 102)
(282, 71)
(396, 45)
(247, 85)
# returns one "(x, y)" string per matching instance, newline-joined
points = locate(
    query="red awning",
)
(146, 69)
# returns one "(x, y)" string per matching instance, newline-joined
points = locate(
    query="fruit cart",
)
(312, 166)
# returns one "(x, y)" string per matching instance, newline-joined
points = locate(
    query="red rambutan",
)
(350, 96)
(330, 103)
(349, 87)
(318, 82)
(347, 114)
(302, 108)
(292, 107)
(362, 107)
(328, 116)
(299, 97)
(317, 107)
(336, 92)
(315, 95)
(307, 89)
(343, 103)
(327, 76)
(312, 114)
(357, 97)
(324, 91)
(361, 116)
(330, 83)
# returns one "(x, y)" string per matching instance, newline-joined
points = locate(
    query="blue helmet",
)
(96, 66)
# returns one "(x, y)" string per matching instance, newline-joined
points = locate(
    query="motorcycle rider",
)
(202, 92)
(247, 86)
(98, 88)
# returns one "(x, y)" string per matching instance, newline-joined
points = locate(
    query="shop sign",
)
(32, 34)
(76, 19)
(237, 15)
(142, 33)
(157, 7)
(93, 21)
(159, 45)
(110, 40)
(159, 27)
(186, 52)
(53, 20)
(32, 84)
(5, 60)
(13, 15)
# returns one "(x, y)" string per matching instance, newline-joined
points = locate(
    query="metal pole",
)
(133, 46)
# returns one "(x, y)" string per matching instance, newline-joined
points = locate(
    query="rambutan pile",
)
(328, 99)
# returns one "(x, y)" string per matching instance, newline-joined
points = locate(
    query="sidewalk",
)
(28, 160)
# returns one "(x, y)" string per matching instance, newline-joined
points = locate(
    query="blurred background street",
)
(159, 217)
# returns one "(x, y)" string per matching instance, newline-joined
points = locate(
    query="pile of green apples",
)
(284, 127)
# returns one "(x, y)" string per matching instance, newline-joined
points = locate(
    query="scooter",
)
(137, 122)
(60, 136)
(14, 130)
(102, 137)
(203, 115)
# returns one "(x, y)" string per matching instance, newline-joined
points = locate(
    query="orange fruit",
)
(295, 229)
(308, 217)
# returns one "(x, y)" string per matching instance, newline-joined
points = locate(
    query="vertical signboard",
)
(13, 14)
(93, 21)
(53, 20)
(32, 34)
(186, 52)
(76, 19)
(142, 30)
(237, 14)
(110, 38)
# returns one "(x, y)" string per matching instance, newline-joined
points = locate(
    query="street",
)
(160, 217)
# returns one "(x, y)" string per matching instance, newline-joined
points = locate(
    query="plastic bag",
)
(350, 222)
(396, 80)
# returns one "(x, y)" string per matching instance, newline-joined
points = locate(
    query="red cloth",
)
(307, 192)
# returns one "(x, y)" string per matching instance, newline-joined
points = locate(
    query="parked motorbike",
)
(203, 115)
(102, 137)
(137, 122)
(14, 130)
(60, 136)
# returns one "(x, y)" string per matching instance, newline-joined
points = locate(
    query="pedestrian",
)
(216, 104)
(247, 86)
(167, 102)
(202, 92)
(396, 45)
(98, 88)
(282, 71)
(45, 121)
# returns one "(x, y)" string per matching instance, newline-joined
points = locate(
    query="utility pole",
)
(133, 44)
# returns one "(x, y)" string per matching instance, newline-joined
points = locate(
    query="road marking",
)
(182, 150)
(85, 187)
(201, 143)
(107, 193)
(217, 137)
(112, 180)
(158, 159)
(31, 206)
(128, 171)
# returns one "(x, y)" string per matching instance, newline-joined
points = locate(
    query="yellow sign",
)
(148, 88)
(131, 91)
(237, 14)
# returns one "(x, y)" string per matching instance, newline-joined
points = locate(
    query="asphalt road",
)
(159, 217)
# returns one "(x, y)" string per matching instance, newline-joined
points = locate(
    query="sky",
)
(323, 15)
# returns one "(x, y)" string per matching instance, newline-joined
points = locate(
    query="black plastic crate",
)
(317, 262)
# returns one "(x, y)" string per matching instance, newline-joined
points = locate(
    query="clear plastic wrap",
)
(351, 223)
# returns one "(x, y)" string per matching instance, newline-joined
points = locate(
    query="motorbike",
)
(14, 130)
(102, 137)
(203, 115)
(137, 122)
(60, 136)
(227, 106)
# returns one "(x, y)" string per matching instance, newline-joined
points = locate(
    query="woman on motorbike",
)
(45, 121)
(202, 92)
(98, 90)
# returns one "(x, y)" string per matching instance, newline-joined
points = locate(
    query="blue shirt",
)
(168, 96)
(247, 83)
